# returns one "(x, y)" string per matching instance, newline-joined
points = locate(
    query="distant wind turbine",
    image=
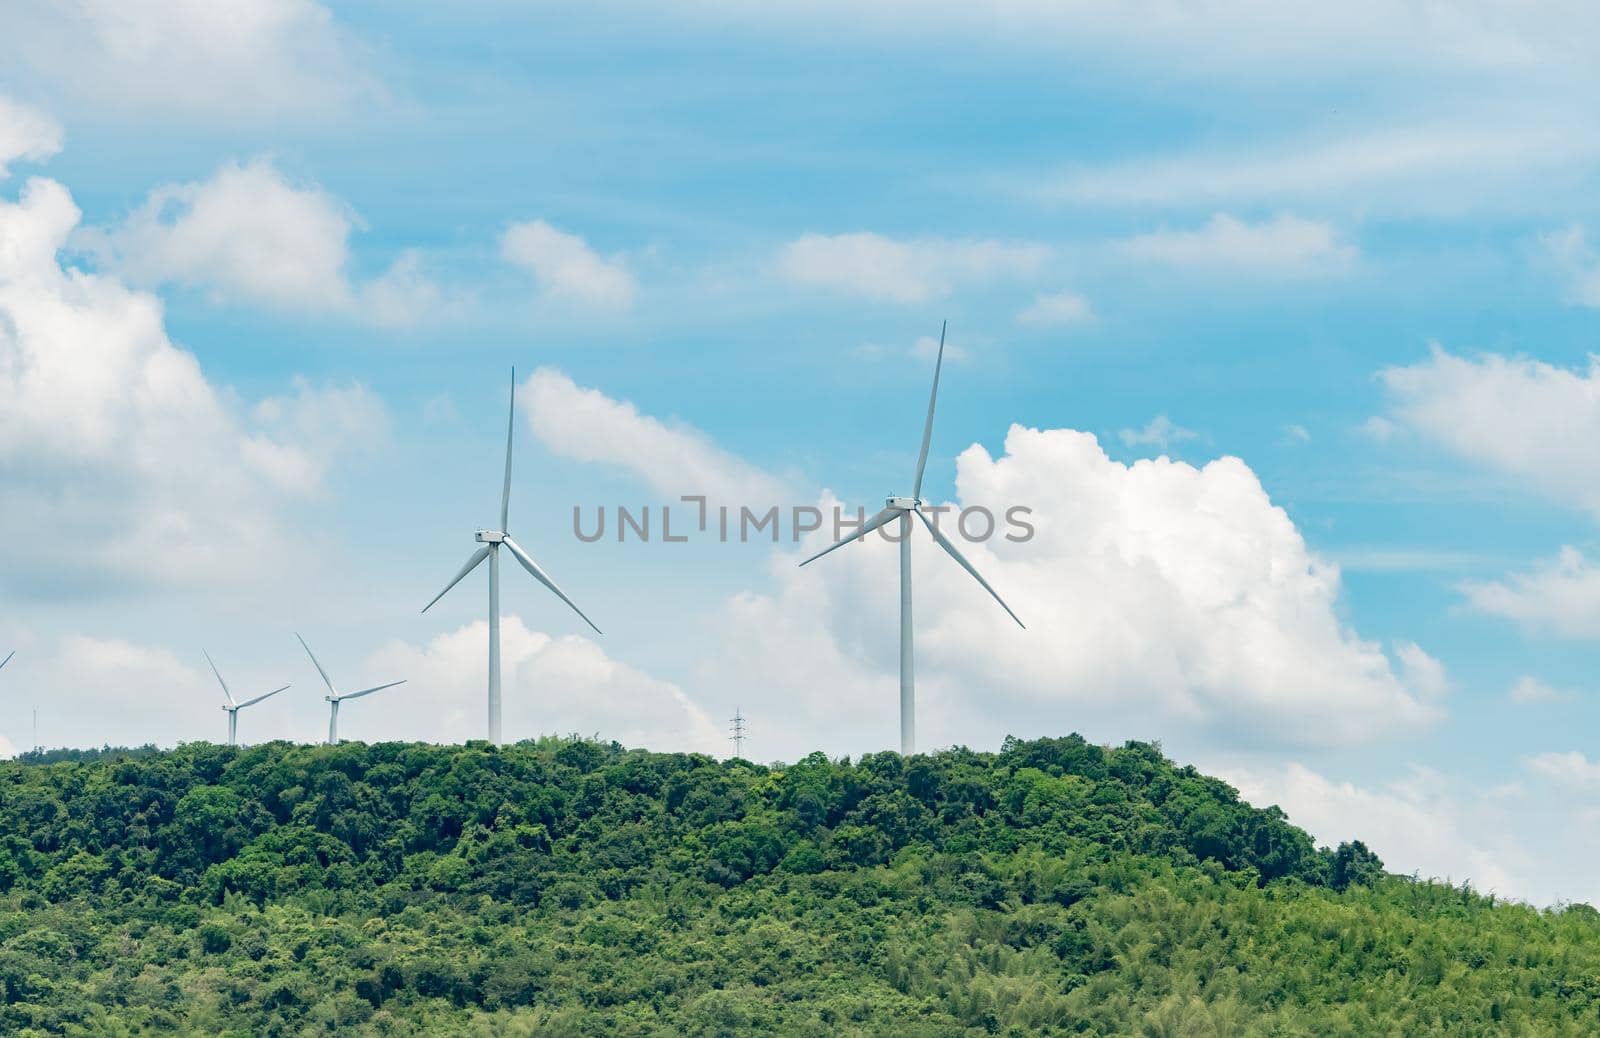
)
(232, 708)
(10, 654)
(335, 697)
(903, 508)
(492, 540)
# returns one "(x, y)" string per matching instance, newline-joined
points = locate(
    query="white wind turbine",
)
(336, 697)
(230, 707)
(491, 541)
(903, 508)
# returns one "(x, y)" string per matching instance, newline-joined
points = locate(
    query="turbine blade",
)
(544, 578)
(954, 554)
(10, 654)
(257, 699)
(215, 671)
(511, 419)
(866, 528)
(369, 691)
(472, 564)
(314, 663)
(927, 428)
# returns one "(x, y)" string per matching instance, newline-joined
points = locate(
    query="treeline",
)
(577, 888)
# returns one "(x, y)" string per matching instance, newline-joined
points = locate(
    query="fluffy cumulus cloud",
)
(26, 134)
(1425, 822)
(249, 234)
(566, 268)
(1531, 420)
(1532, 838)
(584, 424)
(1560, 596)
(910, 270)
(96, 689)
(550, 686)
(1284, 245)
(1159, 597)
(112, 439)
(224, 59)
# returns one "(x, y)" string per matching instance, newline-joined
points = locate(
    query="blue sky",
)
(1350, 249)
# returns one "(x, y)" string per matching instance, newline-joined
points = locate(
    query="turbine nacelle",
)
(903, 504)
(490, 536)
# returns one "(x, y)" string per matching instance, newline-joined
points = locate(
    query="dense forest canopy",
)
(578, 888)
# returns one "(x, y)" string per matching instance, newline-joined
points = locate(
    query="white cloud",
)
(1571, 771)
(902, 270)
(222, 59)
(1516, 415)
(403, 294)
(926, 347)
(250, 235)
(26, 134)
(1056, 309)
(1423, 166)
(550, 686)
(1560, 596)
(566, 268)
(923, 348)
(1158, 596)
(111, 437)
(1285, 245)
(1425, 823)
(584, 424)
(1423, 674)
(92, 690)
(310, 429)
(1229, 41)
(1577, 262)
(1529, 690)
(1160, 431)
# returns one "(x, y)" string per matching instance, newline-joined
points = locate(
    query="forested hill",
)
(575, 888)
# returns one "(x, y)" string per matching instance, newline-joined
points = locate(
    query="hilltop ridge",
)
(577, 888)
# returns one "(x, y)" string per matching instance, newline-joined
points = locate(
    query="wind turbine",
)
(336, 697)
(491, 541)
(232, 708)
(903, 508)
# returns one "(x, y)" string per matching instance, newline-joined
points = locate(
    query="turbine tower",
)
(903, 508)
(232, 708)
(492, 541)
(336, 697)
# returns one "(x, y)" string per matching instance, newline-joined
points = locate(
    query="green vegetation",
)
(574, 888)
